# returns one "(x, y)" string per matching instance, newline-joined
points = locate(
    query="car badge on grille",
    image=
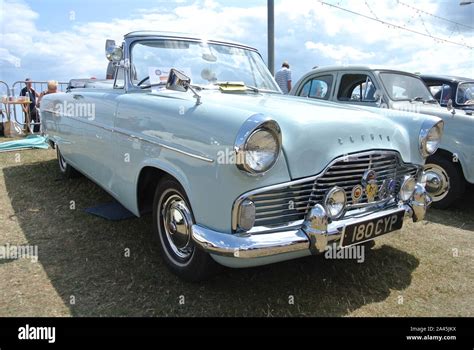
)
(371, 190)
(369, 181)
(369, 176)
(383, 190)
(357, 193)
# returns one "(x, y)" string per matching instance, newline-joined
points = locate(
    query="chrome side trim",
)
(160, 144)
(139, 138)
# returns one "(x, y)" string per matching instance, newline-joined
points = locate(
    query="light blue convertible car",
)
(198, 133)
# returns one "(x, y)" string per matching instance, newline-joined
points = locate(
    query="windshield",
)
(465, 94)
(405, 87)
(205, 63)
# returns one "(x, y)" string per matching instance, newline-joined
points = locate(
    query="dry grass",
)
(81, 259)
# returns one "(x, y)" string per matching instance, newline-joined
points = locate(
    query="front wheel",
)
(172, 224)
(444, 181)
(66, 169)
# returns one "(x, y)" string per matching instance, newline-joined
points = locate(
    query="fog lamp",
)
(246, 218)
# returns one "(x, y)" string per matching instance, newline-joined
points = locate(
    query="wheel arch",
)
(444, 153)
(148, 178)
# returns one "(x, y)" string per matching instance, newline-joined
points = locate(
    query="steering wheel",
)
(143, 80)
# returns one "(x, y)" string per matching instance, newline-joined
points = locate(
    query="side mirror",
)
(112, 51)
(378, 95)
(178, 81)
(450, 107)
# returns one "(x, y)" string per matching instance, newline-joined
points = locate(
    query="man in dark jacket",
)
(31, 113)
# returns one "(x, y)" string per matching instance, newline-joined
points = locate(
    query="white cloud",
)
(339, 53)
(307, 34)
(7, 57)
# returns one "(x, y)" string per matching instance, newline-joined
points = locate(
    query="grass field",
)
(84, 269)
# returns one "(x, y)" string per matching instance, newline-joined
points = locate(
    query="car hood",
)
(314, 132)
(419, 107)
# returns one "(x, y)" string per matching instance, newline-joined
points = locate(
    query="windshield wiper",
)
(247, 87)
(432, 100)
(197, 87)
(236, 85)
(417, 99)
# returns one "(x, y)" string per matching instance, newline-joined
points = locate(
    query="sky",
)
(61, 40)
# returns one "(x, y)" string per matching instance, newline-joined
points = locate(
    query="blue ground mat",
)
(31, 141)
(113, 211)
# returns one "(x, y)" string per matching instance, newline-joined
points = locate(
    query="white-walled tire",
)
(172, 222)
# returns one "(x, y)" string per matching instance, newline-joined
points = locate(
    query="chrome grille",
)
(284, 204)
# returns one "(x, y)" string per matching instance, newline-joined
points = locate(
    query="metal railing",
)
(4, 109)
(39, 87)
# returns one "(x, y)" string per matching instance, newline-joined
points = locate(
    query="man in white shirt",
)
(283, 78)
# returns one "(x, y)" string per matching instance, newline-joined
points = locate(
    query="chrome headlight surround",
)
(430, 137)
(256, 126)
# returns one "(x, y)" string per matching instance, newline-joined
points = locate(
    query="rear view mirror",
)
(178, 81)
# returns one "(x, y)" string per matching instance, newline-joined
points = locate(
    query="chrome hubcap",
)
(437, 182)
(177, 223)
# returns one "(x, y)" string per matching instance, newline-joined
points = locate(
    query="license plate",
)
(370, 229)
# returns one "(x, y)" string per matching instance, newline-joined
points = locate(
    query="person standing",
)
(283, 78)
(31, 114)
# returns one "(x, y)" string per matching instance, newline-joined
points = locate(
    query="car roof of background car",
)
(448, 78)
(185, 36)
(357, 67)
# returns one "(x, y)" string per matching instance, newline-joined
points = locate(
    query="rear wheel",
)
(66, 170)
(172, 224)
(444, 181)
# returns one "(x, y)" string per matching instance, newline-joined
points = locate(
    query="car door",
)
(98, 107)
(356, 88)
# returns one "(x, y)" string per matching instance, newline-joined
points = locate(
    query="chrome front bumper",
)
(314, 236)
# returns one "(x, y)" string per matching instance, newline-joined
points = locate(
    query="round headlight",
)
(335, 202)
(407, 188)
(430, 137)
(261, 151)
(258, 145)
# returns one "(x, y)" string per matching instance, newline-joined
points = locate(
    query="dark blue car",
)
(457, 89)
